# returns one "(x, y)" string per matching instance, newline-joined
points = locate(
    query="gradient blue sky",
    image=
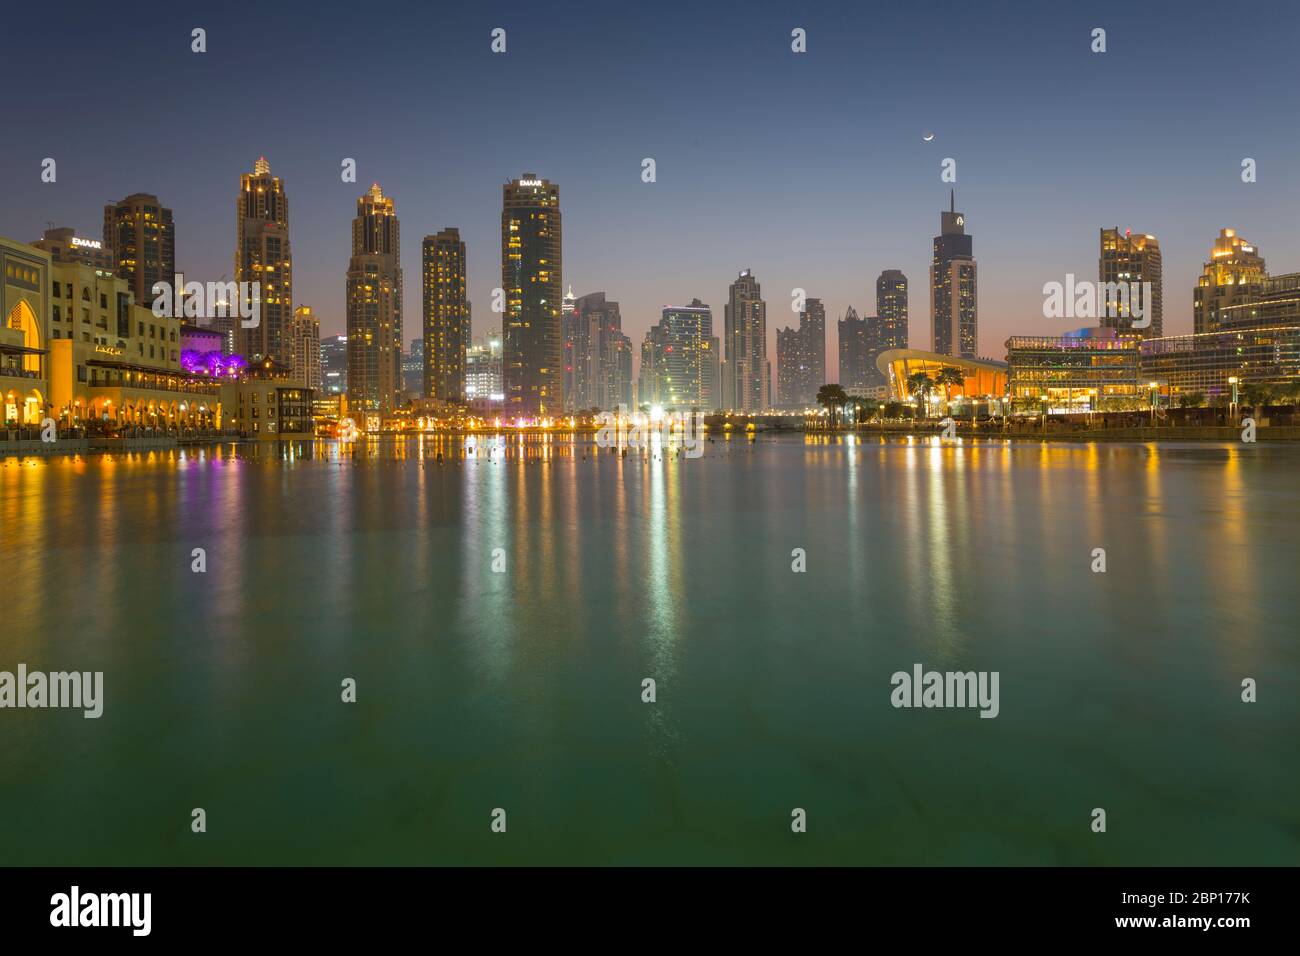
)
(810, 168)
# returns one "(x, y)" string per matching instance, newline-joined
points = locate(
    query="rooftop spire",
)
(952, 198)
(261, 167)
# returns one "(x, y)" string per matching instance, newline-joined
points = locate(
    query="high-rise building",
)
(1232, 277)
(891, 309)
(711, 373)
(483, 373)
(855, 354)
(263, 256)
(334, 364)
(413, 370)
(788, 355)
(374, 305)
(679, 358)
(745, 373)
(649, 376)
(954, 310)
(623, 384)
(812, 339)
(531, 279)
(597, 355)
(446, 316)
(304, 332)
(1126, 259)
(801, 357)
(140, 233)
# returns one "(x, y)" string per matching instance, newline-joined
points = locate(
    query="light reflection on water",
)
(480, 689)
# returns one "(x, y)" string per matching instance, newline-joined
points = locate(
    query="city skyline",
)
(1035, 193)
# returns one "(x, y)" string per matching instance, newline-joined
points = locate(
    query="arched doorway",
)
(22, 318)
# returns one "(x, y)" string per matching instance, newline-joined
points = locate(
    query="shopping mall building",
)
(75, 348)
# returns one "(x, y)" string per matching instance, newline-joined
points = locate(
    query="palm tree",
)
(832, 397)
(949, 378)
(1256, 396)
(918, 383)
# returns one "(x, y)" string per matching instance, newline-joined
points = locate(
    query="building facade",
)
(1085, 370)
(267, 404)
(64, 245)
(531, 279)
(954, 300)
(446, 316)
(1203, 363)
(24, 334)
(334, 364)
(483, 383)
(76, 349)
(304, 334)
(374, 306)
(984, 378)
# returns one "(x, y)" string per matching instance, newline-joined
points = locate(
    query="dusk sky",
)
(810, 169)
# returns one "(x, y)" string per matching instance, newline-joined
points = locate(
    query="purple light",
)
(212, 363)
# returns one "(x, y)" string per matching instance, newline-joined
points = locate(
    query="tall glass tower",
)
(953, 300)
(531, 328)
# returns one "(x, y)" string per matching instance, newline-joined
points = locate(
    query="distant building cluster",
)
(80, 342)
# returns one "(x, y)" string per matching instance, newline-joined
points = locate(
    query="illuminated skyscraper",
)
(891, 309)
(334, 364)
(679, 359)
(954, 311)
(446, 316)
(263, 256)
(1125, 259)
(531, 279)
(1234, 274)
(305, 335)
(483, 374)
(139, 231)
(746, 377)
(374, 306)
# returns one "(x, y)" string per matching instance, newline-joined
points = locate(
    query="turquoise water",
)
(522, 690)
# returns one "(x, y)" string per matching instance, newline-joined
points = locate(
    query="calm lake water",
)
(522, 690)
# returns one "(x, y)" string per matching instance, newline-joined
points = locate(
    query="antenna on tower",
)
(952, 198)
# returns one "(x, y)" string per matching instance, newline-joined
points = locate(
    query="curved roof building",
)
(983, 376)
